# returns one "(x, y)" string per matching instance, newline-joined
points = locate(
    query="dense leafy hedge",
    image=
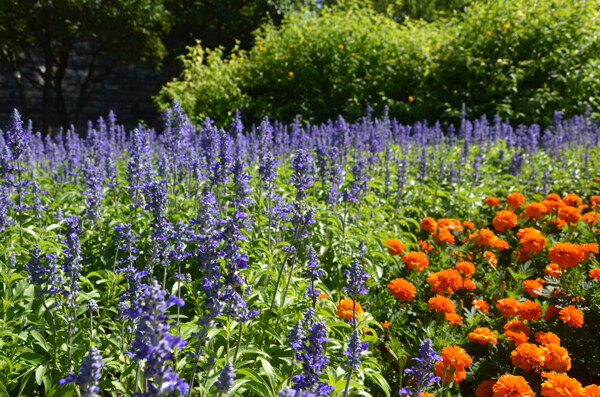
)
(517, 58)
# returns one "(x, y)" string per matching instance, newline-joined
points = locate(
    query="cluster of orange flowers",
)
(346, 309)
(402, 289)
(455, 360)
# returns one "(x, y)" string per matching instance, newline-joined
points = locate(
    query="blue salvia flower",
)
(357, 186)
(38, 207)
(295, 393)
(93, 191)
(312, 271)
(5, 204)
(240, 180)
(355, 349)
(356, 280)
(154, 343)
(303, 173)
(72, 264)
(422, 370)
(313, 362)
(156, 198)
(226, 378)
(43, 272)
(89, 375)
(296, 336)
(17, 139)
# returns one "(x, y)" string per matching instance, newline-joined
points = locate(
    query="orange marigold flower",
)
(394, 246)
(425, 246)
(531, 239)
(481, 305)
(508, 306)
(518, 337)
(569, 214)
(446, 281)
(459, 373)
(588, 249)
(345, 309)
(556, 358)
(552, 270)
(530, 286)
(573, 200)
(492, 201)
(515, 199)
(425, 394)
(492, 261)
(444, 236)
(553, 197)
(487, 238)
(590, 218)
(453, 318)
(468, 224)
(429, 224)
(415, 260)
(385, 324)
(561, 385)
(566, 254)
(544, 338)
(512, 386)
(529, 310)
(504, 219)
(483, 336)
(527, 356)
(450, 224)
(517, 326)
(456, 356)
(441, 304)
(552, 205)
(551, 311)
(323, 295)
(468, 284)
(466, 268)
(592, 390)
(571, 316)
(485, 388)
(535, 210)
(595, 273)
(402, 289)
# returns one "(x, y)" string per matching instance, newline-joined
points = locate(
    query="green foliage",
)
(516, 58)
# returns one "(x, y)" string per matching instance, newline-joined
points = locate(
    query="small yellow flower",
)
(505, 26)
(444, 59)
(291, 74)
(258, 42)
(168, 84)
(499, 61)
(555, 16)
(341, 46)
(489, 33)
(242, 59)
(454, 92)
(310, 28)
(437, 45)
(410, 99)
(286, 57)
(261, 48)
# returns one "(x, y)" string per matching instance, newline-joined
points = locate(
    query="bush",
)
(517, 59)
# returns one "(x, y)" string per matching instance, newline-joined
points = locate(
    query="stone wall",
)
(127, 91)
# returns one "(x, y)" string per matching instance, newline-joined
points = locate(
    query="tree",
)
(38, 37)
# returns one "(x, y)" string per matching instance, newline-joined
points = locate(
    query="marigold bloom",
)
(483, 336)
(486, 237)
(531, 239)
(588, 249)
(552, 270)
(553, 205)
(571, 315)
(429, 224)
(446, 281)
(535, 210)
(561, 385)
(543, 338)
(466, 268)
(551, 311)
(450, 224)
(492, 261)
(512, 386)
(402, 289)
(566, 254)
(530, 286)
(453, 318)
(425, 246)
(441, 304)
(323, 295)
(517, 326)
(459, 373)
(345, 309)
(508, 307)
(592, 390)
(492, 201)
(515, 199)
(468, 284)
(572, 200)
(468, 224)
(444, 236)
(595, 273)
(569, 214)
(529, 310)
(394, 246)
(456, 357)
(516, 336)
(590, 218)
(485, 388)
(504, 219)
(527, 356)
(556, 358)
(481, 305)
(415, 260)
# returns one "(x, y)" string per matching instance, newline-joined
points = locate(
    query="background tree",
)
(38, 37)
